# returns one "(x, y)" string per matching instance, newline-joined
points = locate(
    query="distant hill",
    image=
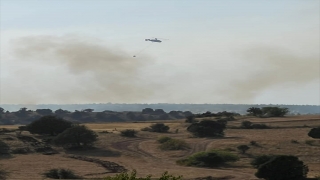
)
(194, 108)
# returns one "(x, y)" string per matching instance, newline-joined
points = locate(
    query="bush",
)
(51, 125)
(282, 168)
(243, 148)
(61, 174)
(314, 133)
(133, 176)
(174, 144)
(129, 133)
(76, 137)
(163, 139)
(159, 127)
(257, 161)
(246, 124)
(207, 128)
(212, 158)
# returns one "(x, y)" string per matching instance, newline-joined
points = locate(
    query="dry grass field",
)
(289, 137)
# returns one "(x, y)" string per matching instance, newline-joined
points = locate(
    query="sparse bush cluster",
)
(212, 158)
(168, 143)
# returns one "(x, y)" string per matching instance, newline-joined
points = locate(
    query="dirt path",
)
(135, 148)
(131, 147)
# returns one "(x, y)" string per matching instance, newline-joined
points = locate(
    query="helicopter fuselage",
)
(154, 40)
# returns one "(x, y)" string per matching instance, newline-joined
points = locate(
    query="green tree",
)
(51, 125)
(314, 133)
(282, 167)
(76, 137)
(275, 111)
(254, 111)
(207, 128)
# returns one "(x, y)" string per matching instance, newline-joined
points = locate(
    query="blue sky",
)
(218, 51)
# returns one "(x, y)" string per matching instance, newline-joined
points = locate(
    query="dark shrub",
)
(129, 133)
(159, 127)
(283, 168)
(207, 128)
(243, 148)
(246, 124)
(51, 125)
(314, 133)
(61, 174)
(76, 137)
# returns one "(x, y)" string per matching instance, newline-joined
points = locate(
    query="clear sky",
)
(216, 51)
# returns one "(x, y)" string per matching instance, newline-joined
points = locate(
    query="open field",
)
(142, 153)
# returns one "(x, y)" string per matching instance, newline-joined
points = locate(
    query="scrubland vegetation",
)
(263, 144)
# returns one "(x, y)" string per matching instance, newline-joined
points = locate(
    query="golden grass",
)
(142, 153)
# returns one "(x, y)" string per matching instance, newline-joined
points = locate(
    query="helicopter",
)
(154, 40)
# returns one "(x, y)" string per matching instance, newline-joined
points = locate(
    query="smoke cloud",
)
(104, 74)
(270, 67)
